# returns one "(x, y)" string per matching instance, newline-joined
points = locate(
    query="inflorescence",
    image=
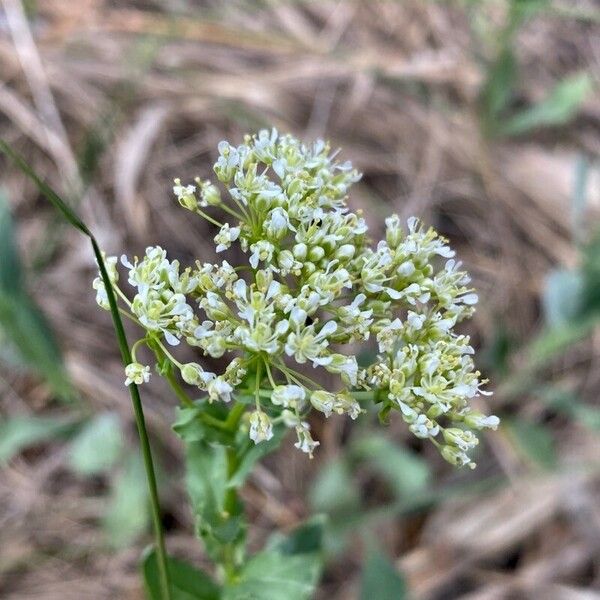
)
(313, 291)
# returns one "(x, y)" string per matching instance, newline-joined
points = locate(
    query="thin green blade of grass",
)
(71, 216)
(23, 324)
(558, 108)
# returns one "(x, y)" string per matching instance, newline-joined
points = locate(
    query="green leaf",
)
(288, 569)
(21, 320)
(187, 425)
(307, 537)
(568, 403)
(11, 278)
(407, 473)
(19, 433)
(254, 454)
(272, 575)
(127, 515)
(190, 427)
(67, 212)
(206, 478)
(591, 273)
(381, 580)
(187, 582)
(26, 327)
(98, 445)
(550, 342)
(560, 106)
(498, 88)
(533, 441)
(333, 491)
(563, 296)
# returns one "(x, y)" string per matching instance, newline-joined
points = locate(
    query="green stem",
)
(366, 395)
(209, 218)
(234, 416)
(140, 421)
(229, 506)
(73, 218)
(214, 422)
(179, 391)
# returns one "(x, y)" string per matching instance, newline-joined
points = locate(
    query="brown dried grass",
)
(395, 85)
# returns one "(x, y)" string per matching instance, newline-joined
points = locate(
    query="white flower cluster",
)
(313, 285)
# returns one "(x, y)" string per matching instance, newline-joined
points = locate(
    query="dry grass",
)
(145, 90)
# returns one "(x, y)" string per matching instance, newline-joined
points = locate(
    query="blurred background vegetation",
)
(481, 117)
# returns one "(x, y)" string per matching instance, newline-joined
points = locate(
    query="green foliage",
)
(187, 582)
(21, 320)
(533, 441)
(287, 570)
(127, 515)
(558, 108)
(98, 446)
(206, 477)
(499, 115)
(251, 454)
(407, 473)
(381, 580)
(272, 575)
(334, 492)
(19, 433)
(307, 537)
(563, 296)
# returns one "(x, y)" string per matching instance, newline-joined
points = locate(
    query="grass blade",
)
(71, 216)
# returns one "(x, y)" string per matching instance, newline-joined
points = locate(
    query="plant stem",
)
(179, 391)
(229, 506)
(140, 421)
(75, 221)
(234, 416)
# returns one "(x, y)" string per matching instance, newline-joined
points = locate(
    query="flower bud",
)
(480, 421)
(300, 251)
(261, 428)
(456, 457)
(345, 252)
(288, 396)
(193, 374)
(263, 280)
(465, 440)
(316, 253)
(323, 401)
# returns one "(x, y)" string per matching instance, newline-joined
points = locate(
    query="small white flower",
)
(346, 365)
(226, 236)
(288, 396)
(305, 441)
(261, 250)
(219, 389)
(456, 457)
(424, 427)
(277, 223)
(137, 373)
(464, 440)
(185, 195)
(261, 428)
